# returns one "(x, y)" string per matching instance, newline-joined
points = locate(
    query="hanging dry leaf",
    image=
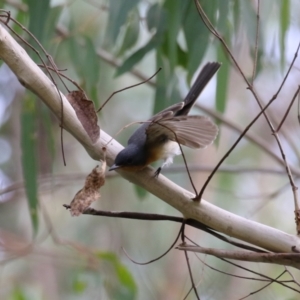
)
(90, 192)
(86, 113)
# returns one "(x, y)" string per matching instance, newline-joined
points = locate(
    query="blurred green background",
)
(108, 45)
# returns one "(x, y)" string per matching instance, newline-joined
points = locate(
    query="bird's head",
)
(131, 158)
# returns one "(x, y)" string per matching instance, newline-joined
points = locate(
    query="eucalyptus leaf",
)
(86, 62)
(131, 33)
(118, 12)
(124, 286)
(51, 23)
(18, 293)
(174, 17)
(222, 80)
(197, 37)
(137, 56)
(38, 14)
(223, 8)
(90, 67)
(141, 193)
(284, 25)
(29, 158)
(162, 78)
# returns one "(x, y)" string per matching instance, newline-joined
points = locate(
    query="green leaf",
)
(156, 18)
(222, 80)
(38, 13)
(21, 17)
(51, 23)
(223, 9)
(284, 25)
(79, 286)
(182, 57)
(90, 70)
(174, 17)
(196, 34)
(166, 92)
(132, 32)
(118, 12)
(175, 95)
(162, 78)
(124, 288)
(236, 15)
(137, 56)
(74, 50)
(248, 16)
(45, 118)
(141, 193)
(18, 294)
(29, 160)
(91, 67)
(86, 62)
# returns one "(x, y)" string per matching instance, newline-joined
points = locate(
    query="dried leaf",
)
(86, 113)
(90, 192)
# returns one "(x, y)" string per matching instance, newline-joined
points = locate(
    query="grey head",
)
(130, 156)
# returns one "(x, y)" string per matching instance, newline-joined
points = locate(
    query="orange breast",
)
(155, 153)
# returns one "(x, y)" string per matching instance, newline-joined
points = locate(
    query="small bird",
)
(158, 138)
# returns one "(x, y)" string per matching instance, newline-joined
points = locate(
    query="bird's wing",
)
(169, 112)
(140, 135)
(191, 131)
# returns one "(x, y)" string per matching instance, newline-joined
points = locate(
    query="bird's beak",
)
(114, 167)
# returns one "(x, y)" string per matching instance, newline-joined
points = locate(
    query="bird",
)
(158, 138)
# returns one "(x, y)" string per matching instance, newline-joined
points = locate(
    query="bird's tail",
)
(205, 75)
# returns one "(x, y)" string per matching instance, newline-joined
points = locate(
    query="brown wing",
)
(191, 131)
(169, 112)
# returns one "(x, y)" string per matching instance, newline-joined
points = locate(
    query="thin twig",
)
(290, 273)
(286, 114)
(290, 259)
(262, 275)
(191, 274)
(59, 72)
(187, 294)
(251, 271)
(188, 263)
(265, 286)
(237, 276)
(126, 88)
(159, 257)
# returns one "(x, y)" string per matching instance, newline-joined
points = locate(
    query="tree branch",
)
(285, 259)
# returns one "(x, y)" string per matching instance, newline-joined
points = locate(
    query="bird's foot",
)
(157, 172)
